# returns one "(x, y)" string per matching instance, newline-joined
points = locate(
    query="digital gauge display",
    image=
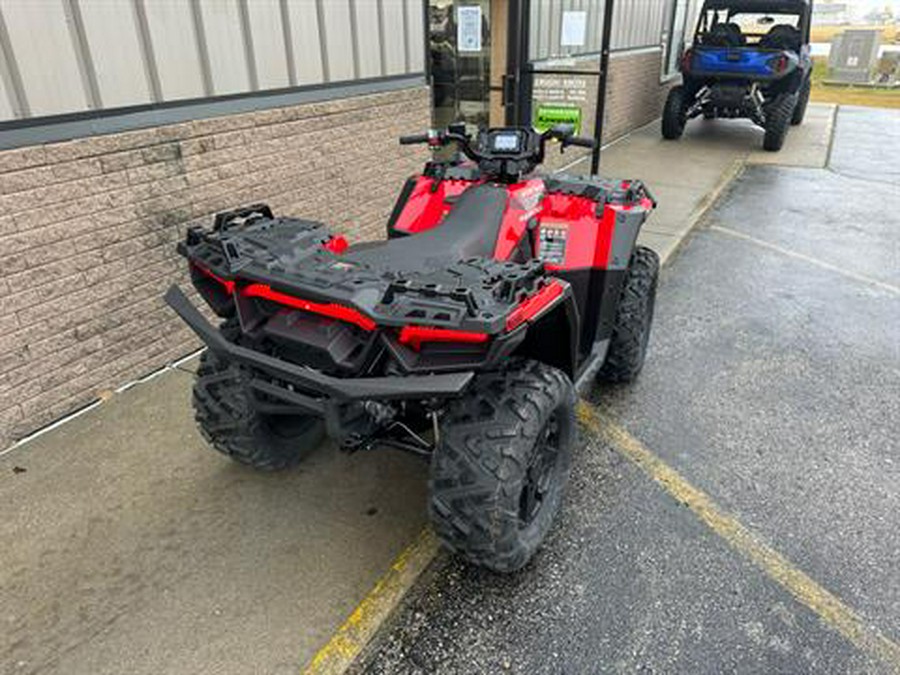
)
(506, 143)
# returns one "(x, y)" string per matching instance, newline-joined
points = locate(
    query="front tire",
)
(778, 121)
(498, 474)
(232, 426)
(634, 317)
(674, 118)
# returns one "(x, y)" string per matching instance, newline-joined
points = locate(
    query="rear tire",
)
(232, 426)
(802, 102)
(778, 121)
(634, 318)
(674, 118)
(498, 475)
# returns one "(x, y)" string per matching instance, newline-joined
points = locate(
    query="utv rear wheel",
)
(674, 117)
(498, 475)
(230, 423)
(802, 102)
(778, 121)
(634, 317)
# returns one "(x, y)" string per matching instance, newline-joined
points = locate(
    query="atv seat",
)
(470, 230)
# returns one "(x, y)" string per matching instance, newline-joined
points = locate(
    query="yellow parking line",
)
(353, 635)
(830, 609)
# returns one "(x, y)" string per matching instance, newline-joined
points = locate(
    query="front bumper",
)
(310, 390)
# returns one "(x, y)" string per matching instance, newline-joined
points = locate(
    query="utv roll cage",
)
(718, 12)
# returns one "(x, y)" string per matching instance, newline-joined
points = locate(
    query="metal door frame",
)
(520, 71)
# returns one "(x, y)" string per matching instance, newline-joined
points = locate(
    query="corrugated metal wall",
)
(636, 24)
(65, 56)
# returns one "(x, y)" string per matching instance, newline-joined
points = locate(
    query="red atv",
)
(458, 338)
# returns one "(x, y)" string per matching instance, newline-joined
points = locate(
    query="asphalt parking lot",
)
(750, 519)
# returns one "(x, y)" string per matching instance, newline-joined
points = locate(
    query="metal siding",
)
(6, 109)
(225, 46)
(112, 37)
(415, 34)
(306, 42)
(368, 45)
(268, 43)
(394, 46)
(338, 40)
(174, 48)
(45, 55)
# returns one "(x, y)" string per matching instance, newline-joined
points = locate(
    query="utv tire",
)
(232, 426)
(674, 117)
(778, 121)
(498, 474)
(634, 317)
(802, 102)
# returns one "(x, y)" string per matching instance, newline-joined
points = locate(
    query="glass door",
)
(460, 53)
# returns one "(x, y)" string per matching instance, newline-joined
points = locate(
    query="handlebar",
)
(581, 142)
(412, 139)
(530, 152)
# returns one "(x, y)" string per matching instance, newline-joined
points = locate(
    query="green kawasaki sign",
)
(547, 116)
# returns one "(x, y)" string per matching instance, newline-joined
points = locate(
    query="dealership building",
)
(124, 123)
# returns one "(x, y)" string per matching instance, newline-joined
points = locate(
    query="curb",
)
(348, 642)
(709, 200)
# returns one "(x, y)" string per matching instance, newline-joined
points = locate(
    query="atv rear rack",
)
(322, 389)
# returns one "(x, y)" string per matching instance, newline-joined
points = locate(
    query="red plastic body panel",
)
(330, 309)
(524, 203)
(588, 237)
(426, 208)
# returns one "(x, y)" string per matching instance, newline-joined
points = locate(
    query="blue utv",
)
(750, 59)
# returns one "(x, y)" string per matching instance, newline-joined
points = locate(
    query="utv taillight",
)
(415, 336)
(779, 64)
(686, 61)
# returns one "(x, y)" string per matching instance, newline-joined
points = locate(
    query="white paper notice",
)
(574, 29)
(468, 28)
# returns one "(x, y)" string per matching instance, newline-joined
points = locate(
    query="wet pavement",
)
(773, 385)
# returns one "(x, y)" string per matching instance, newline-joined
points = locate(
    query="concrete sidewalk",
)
(129, 546)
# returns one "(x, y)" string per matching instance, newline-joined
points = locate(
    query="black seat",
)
(726, 35)
(781, 37)
(470, 230)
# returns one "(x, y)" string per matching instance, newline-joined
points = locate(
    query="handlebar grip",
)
(413, 139)
(581, 141)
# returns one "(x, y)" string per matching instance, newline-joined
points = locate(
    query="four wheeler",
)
(461, 338)
(750, 59)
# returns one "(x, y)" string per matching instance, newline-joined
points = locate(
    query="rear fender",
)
(553, 339)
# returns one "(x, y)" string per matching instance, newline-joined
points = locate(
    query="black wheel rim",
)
(538, 483)
(288, 426)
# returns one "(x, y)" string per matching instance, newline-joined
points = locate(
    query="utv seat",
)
(781, 37)
(726, 35)
(469, 230)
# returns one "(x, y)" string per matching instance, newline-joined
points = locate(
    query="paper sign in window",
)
(574, 29)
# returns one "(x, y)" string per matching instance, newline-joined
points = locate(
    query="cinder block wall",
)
(88, 229)
(635, 96)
